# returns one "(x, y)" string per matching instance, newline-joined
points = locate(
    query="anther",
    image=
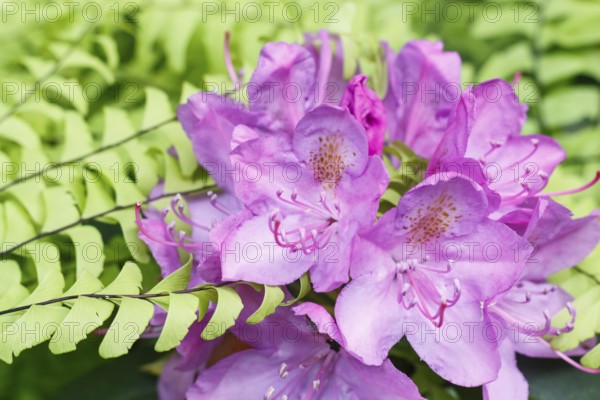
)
(282, 372)
(269, 393)
(405, 288)
(316, 384)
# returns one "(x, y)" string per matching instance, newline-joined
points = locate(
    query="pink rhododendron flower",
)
(466, 250)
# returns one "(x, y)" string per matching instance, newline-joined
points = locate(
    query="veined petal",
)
(453, 144)
(250, 253)
(443, 209)
(323, 321)
(511, 384)
(246, 374)
(369, 317)
(265, 165)
(556, 249)
(332, 144)
(524, 310)
(464, 350)
(489, 261)
(332, 262)
(281, 85)
(558, 240)
(373, 248)
(485, 118)
(359, 197)
(174, 383)
(426, 86)
(332, 85)
(498, 115)
(353, 380)
(209, 121)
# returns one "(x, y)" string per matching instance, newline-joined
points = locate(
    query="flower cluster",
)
(459, 267)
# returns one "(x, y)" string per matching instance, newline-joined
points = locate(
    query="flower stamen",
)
(573, 191)
(310, 237)
(411, 295)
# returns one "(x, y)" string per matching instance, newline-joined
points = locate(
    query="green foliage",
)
(129, 323)
(303, 288)
(554, 379)
(273, 297)
(229, 306)
(66, 318)
(181, 314)
(583, 281)
(406, 170)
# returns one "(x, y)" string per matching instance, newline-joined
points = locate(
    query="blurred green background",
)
(77, 76)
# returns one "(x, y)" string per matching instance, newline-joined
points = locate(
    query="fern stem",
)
(112, 296)
(57, 66)
(84, 156)
(587, 274)
(93, 217)
(538, 52)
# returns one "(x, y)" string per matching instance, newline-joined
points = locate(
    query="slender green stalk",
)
(57, 66)
(112, 296)
(587, 274)
(84, 156)
(93, 217)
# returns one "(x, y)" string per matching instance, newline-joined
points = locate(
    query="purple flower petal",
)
(383, 382)
(250, 253)
(464, 351)
(364, 104)
(209, 121)
(511, 383)
(440, 208)
(425, 83)
(281, 84)
(167, 257)
(370, 317)
(332, 143)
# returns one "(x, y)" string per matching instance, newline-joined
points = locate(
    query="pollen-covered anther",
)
(535, 145)
(214, 201)
(570, 325)
(405, 289)
(457, 290)
(269, 393)
(494, 145)
(282, 370)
